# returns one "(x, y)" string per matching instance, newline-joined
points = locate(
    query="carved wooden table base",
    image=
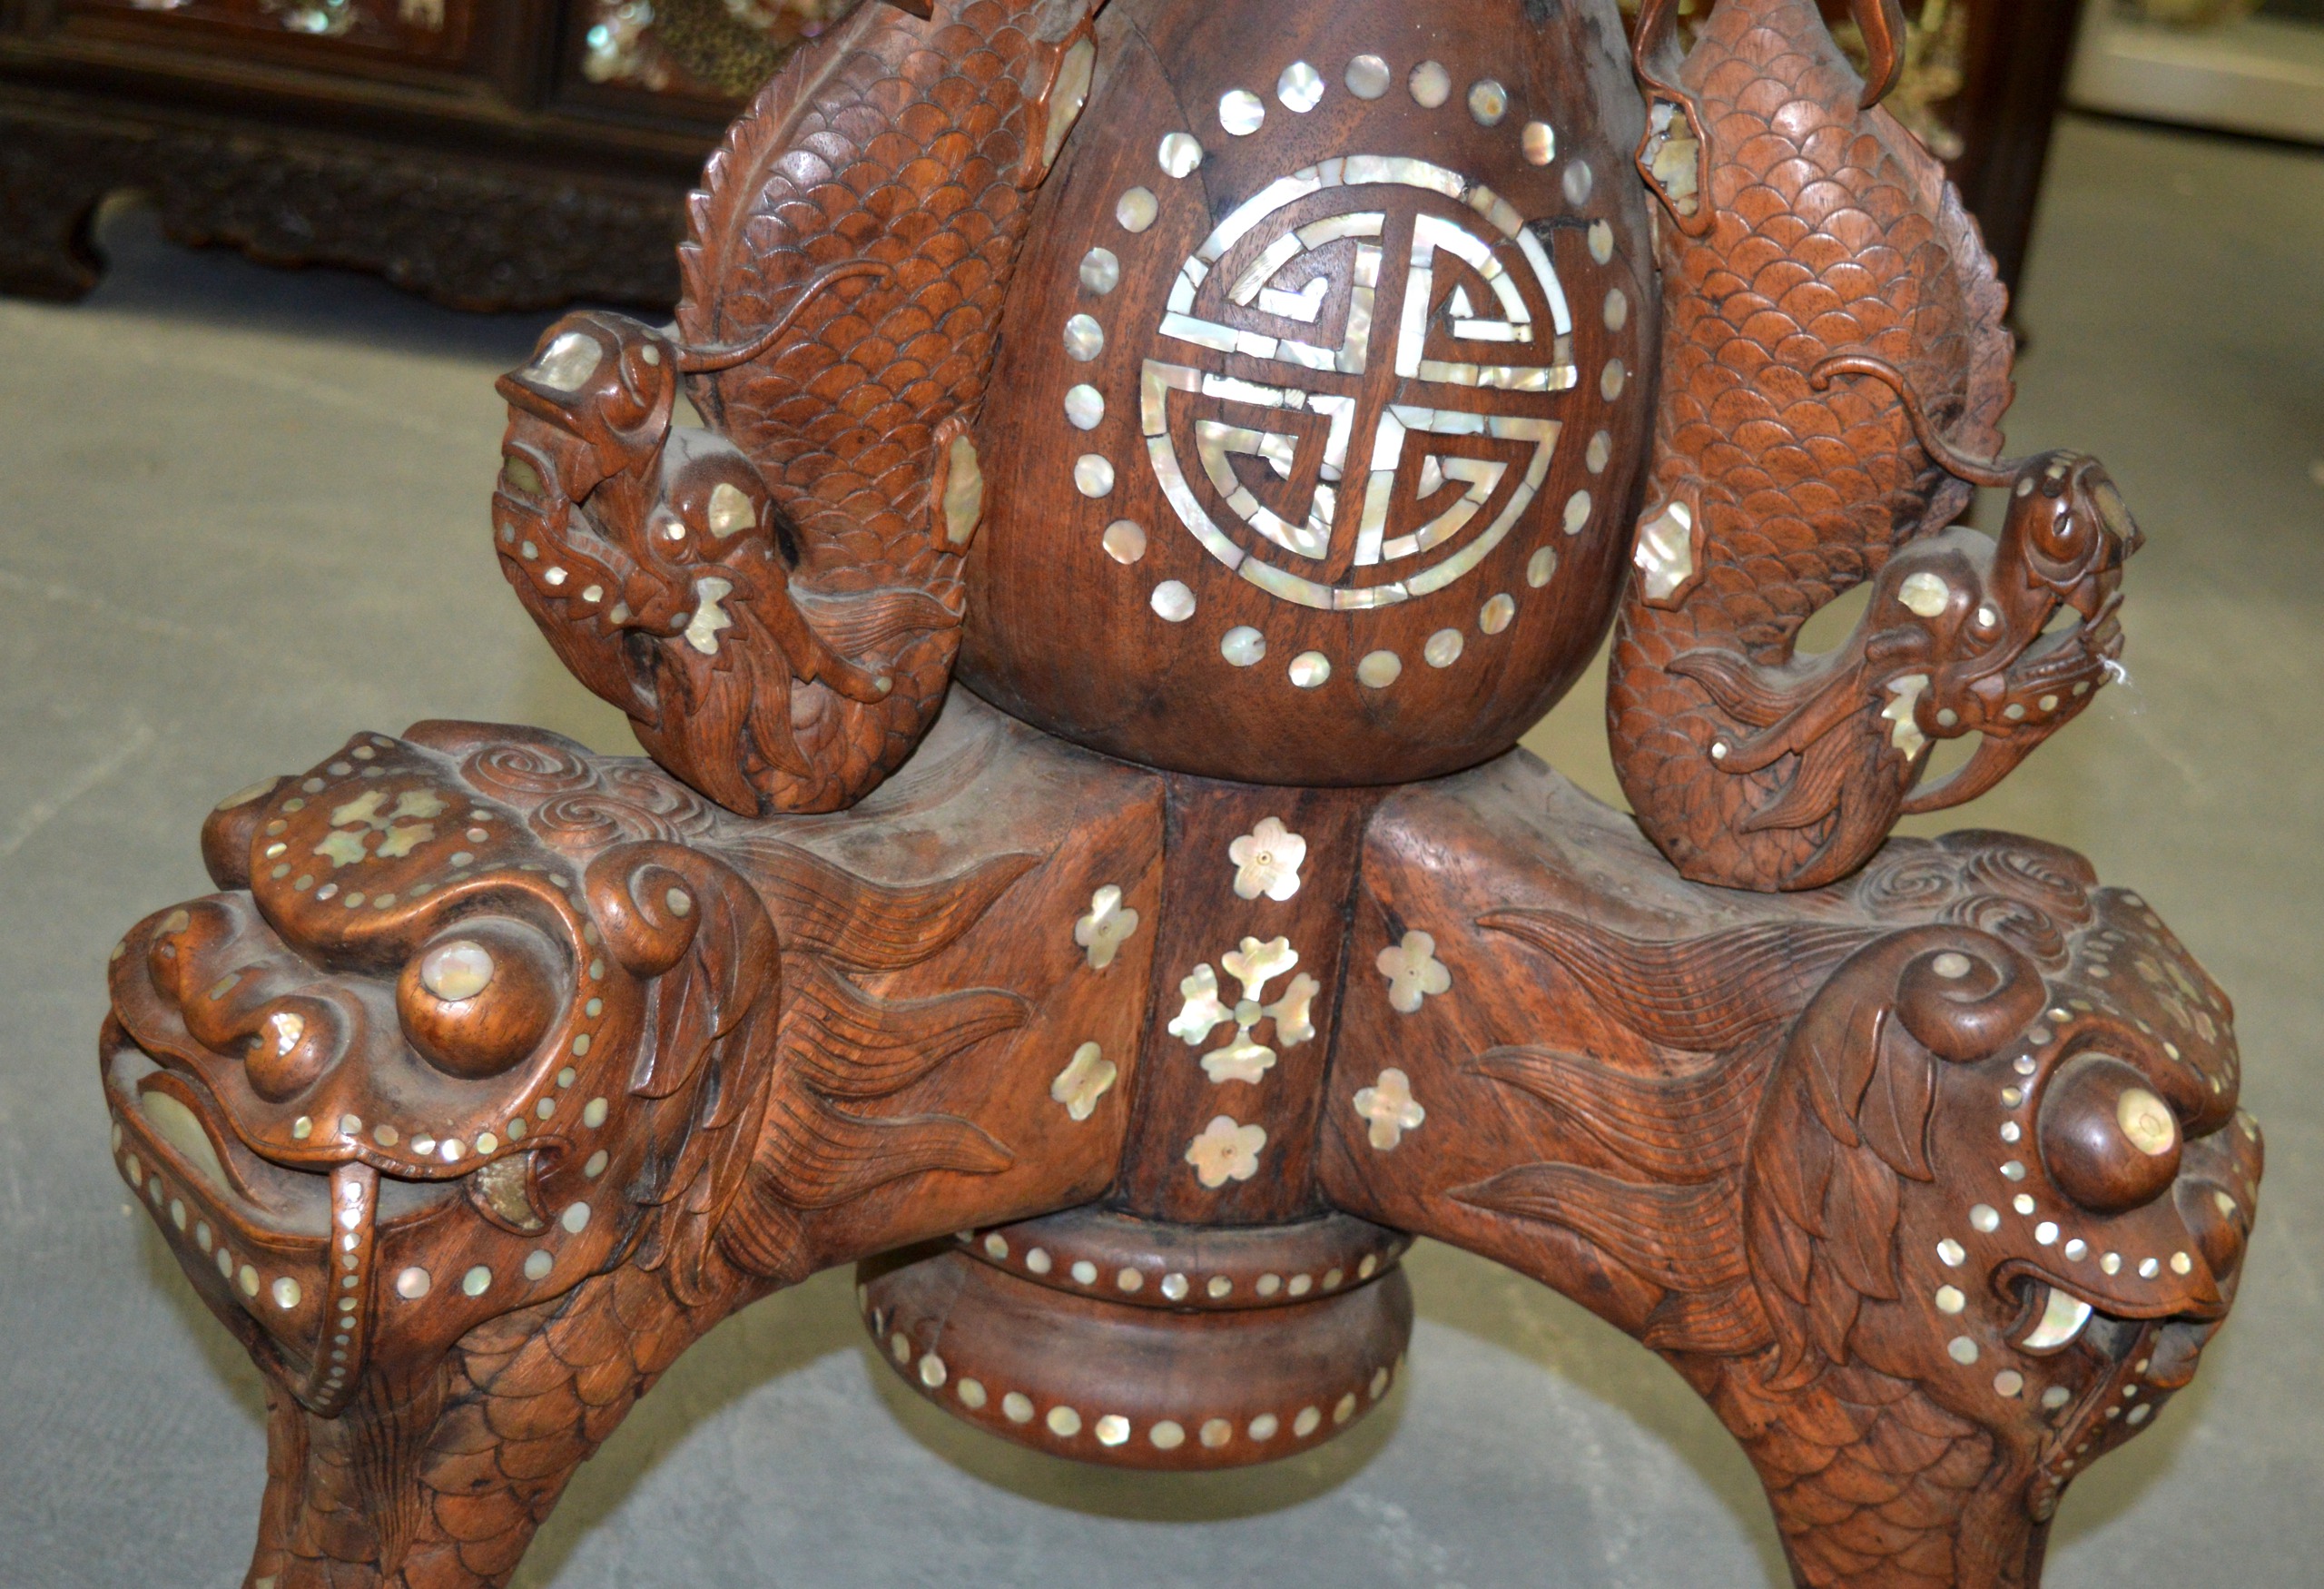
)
(1934, 1184)
(1314, 457)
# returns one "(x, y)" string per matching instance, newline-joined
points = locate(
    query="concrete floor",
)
(242, 513)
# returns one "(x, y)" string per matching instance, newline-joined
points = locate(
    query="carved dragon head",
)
(2001, 664)
(2038, 1128)
(1952, 642)
(2033, 1204)
(1971, 1137)
(657, 561)
(596, 400)
(464, 1027)
(1961, 636)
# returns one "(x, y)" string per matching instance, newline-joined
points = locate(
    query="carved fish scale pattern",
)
(901, 142)
(1869, 1479)
(1833, 231)
(520, 1404)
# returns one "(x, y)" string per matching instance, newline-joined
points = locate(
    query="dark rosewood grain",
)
(1127, 1043)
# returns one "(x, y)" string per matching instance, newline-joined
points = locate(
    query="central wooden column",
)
(1251, 876)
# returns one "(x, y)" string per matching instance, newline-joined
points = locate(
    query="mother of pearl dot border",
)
(1300, 88)
(932, 1375)
(1130, 1279)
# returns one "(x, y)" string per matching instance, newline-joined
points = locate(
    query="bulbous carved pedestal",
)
(1251, 411)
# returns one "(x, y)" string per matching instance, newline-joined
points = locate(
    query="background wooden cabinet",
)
(1983, 89)
(490, 153)
(432, 32)
(508, 153)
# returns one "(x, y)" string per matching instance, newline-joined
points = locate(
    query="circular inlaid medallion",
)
(1315, 371)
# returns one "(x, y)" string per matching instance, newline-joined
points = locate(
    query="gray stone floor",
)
(242, 513)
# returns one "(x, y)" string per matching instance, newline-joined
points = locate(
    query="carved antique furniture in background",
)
(1253, 409)
(501, 154)
(490, 153)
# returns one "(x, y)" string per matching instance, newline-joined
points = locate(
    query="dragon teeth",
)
(2063, 1318)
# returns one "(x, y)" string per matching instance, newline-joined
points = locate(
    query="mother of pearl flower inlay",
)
(1267, 861)
(1412, 971)
(1225, 1151)
(1254, 964)
(1107, 926)
(1084, 1082)
(1389, 1106)
(405, 825)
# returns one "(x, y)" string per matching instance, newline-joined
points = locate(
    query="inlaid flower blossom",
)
(1084, 1082)
(1254, 964)
(1106, 927)
(1267, 859)
(1203, 1009)
(1412, 971)
(1225, 1151)
(404, 826)
(1390, 1108)
(1292, 1013)
(1243, 1060)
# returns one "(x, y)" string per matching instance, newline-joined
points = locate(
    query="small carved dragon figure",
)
(1814, 237)
(776, 603)
(1956, 640)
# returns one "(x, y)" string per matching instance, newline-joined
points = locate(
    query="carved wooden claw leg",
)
(497, 1073)
(1933, 1184)
(438, 1479)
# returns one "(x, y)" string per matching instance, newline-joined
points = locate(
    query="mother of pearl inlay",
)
(1300, 89)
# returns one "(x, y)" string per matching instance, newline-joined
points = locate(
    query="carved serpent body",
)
(785, 648)
(1804, 227)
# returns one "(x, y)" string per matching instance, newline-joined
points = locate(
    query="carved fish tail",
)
(440, 1483)
(1829, 230)
(914, 145)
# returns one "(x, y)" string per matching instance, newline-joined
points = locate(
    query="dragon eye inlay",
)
(2110, 1142)
(567, 364)
(2147, 1121)
(456, 971)
(476, 1004)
